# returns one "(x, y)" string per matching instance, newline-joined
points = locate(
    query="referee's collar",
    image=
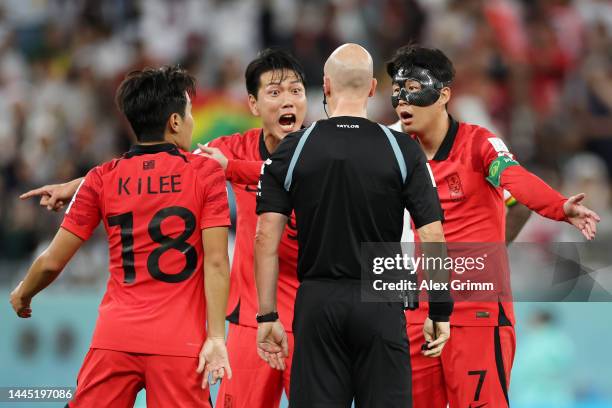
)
(263, 149)
(140, 149)
(447, 144)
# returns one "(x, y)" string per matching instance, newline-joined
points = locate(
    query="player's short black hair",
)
(148, 97)
(271, 59)
(432, 59)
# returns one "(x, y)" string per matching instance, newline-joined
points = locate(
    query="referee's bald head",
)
(350, 70)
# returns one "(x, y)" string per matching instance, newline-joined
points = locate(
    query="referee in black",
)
(348, 180)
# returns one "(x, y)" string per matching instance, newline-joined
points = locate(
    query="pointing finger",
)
(34, 193)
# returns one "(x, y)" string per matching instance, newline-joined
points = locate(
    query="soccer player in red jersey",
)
(471, 167)
(165, 211)
(275, 84)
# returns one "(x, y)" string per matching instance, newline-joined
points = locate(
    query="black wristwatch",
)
(268, 317)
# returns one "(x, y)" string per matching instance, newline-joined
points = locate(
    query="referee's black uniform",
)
(348, 180)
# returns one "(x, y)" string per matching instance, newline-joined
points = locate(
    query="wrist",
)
(216, 338)
(23, 297)
(267, 317)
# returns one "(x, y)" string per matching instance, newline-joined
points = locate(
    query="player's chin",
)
(286, 130)
(409, 127)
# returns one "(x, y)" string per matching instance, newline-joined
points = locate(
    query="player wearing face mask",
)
(471, 167)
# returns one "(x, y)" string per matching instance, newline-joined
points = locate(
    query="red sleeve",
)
(502, 170)
(84, 211)
(533, 192)
(243, 171)
(225, 144)
(215, 211)
(490, 148)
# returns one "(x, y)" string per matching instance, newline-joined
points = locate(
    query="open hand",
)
(581, 217)
(272, 345)
(214, 361)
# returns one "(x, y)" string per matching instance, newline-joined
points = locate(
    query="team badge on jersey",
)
(454, 187)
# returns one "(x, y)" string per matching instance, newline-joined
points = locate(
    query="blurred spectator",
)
(593, 98)
(541, 378)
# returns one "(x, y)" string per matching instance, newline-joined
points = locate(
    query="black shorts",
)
(346, 348)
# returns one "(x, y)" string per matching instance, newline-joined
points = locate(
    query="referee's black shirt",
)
(346, 188)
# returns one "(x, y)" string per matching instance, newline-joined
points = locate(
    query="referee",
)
(348, 180)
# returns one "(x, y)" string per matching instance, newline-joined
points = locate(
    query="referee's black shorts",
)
(345, 347)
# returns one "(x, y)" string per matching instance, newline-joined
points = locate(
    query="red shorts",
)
(473, 370)
(254, 384)
(113, 378)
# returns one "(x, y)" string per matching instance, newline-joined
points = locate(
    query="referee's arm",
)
(270, 227)
(273, 207)
(421, 200)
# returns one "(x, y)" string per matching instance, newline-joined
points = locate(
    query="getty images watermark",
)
(410, 264)
(488, 272)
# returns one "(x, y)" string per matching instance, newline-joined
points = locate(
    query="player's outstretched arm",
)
(503, 170)
(54, 196)
(45, 269)
(214, 361)
(532, 191)
(272, 344)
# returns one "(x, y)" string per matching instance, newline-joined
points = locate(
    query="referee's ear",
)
(372, 88)
(253, 105)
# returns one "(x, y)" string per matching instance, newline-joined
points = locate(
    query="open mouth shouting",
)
(287, 122)
(406, 117)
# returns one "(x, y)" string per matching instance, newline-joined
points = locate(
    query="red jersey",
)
(246, 154)
(154, 202)
(471, 169)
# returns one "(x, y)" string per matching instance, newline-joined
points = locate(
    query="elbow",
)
(432, 237)
(49, 265)
(217, 263)
(438, 236)
(432, 233)
(268, 234)
(262, 241)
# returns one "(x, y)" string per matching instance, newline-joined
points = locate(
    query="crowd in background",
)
(538, 73)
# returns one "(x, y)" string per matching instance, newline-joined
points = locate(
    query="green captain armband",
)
(497, 167)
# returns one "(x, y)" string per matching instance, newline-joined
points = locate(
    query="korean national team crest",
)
(454, 187)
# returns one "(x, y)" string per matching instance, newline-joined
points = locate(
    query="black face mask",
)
(427, 95)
